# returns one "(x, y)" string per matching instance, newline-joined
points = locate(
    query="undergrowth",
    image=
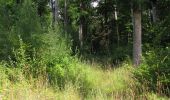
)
(52, 74)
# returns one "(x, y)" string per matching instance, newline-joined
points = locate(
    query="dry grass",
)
(116, 84)
(29, 91)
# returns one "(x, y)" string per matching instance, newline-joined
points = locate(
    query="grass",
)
(99, 84)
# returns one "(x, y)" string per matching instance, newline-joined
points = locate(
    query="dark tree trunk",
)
(137, 44)
(117, 26)
(154, 11)
(105, 13)
(53, 11)
(65, 15)
(18, 1)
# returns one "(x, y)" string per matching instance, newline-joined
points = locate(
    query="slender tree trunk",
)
(65, 15)
(137, 43)
(117, 31)
(81, 26)
(54, 6)
(56, 11)
(81, 34)
(117, 26)
(52, 2)
(154, 11)
(105, 13)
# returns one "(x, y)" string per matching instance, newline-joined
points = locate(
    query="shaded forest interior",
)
(62, 45)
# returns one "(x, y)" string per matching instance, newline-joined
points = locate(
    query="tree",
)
(137, 39)
(154, 11)
(81, 22)
(54, 11)
(65, 16)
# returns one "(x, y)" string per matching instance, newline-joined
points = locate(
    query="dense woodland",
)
(84, 49)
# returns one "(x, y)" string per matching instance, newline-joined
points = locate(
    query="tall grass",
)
(92, 83)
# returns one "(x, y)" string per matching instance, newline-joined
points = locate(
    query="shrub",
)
(155, 71)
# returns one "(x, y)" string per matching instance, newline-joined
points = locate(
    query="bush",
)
(155, 71)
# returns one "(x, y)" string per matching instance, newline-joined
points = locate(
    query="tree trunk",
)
(18, 1)
(53, 12)
(81, 26)
(117, 26)
(105, 13)
(54, 7)
(154, 11)
(56, 11)
(137, 43)
(81, 34)
(65, 15)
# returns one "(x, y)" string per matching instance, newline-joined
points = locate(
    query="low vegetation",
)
(61, 76)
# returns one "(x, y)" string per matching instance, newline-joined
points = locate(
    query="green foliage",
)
(31, 65)
(18, 20)
(154, 72)
(3, 77)
(28, 24)
(61, 66)
(120, 54)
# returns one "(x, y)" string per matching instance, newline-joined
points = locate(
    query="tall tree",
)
(137, 43)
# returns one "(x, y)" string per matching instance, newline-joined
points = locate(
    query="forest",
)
(84, 49)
